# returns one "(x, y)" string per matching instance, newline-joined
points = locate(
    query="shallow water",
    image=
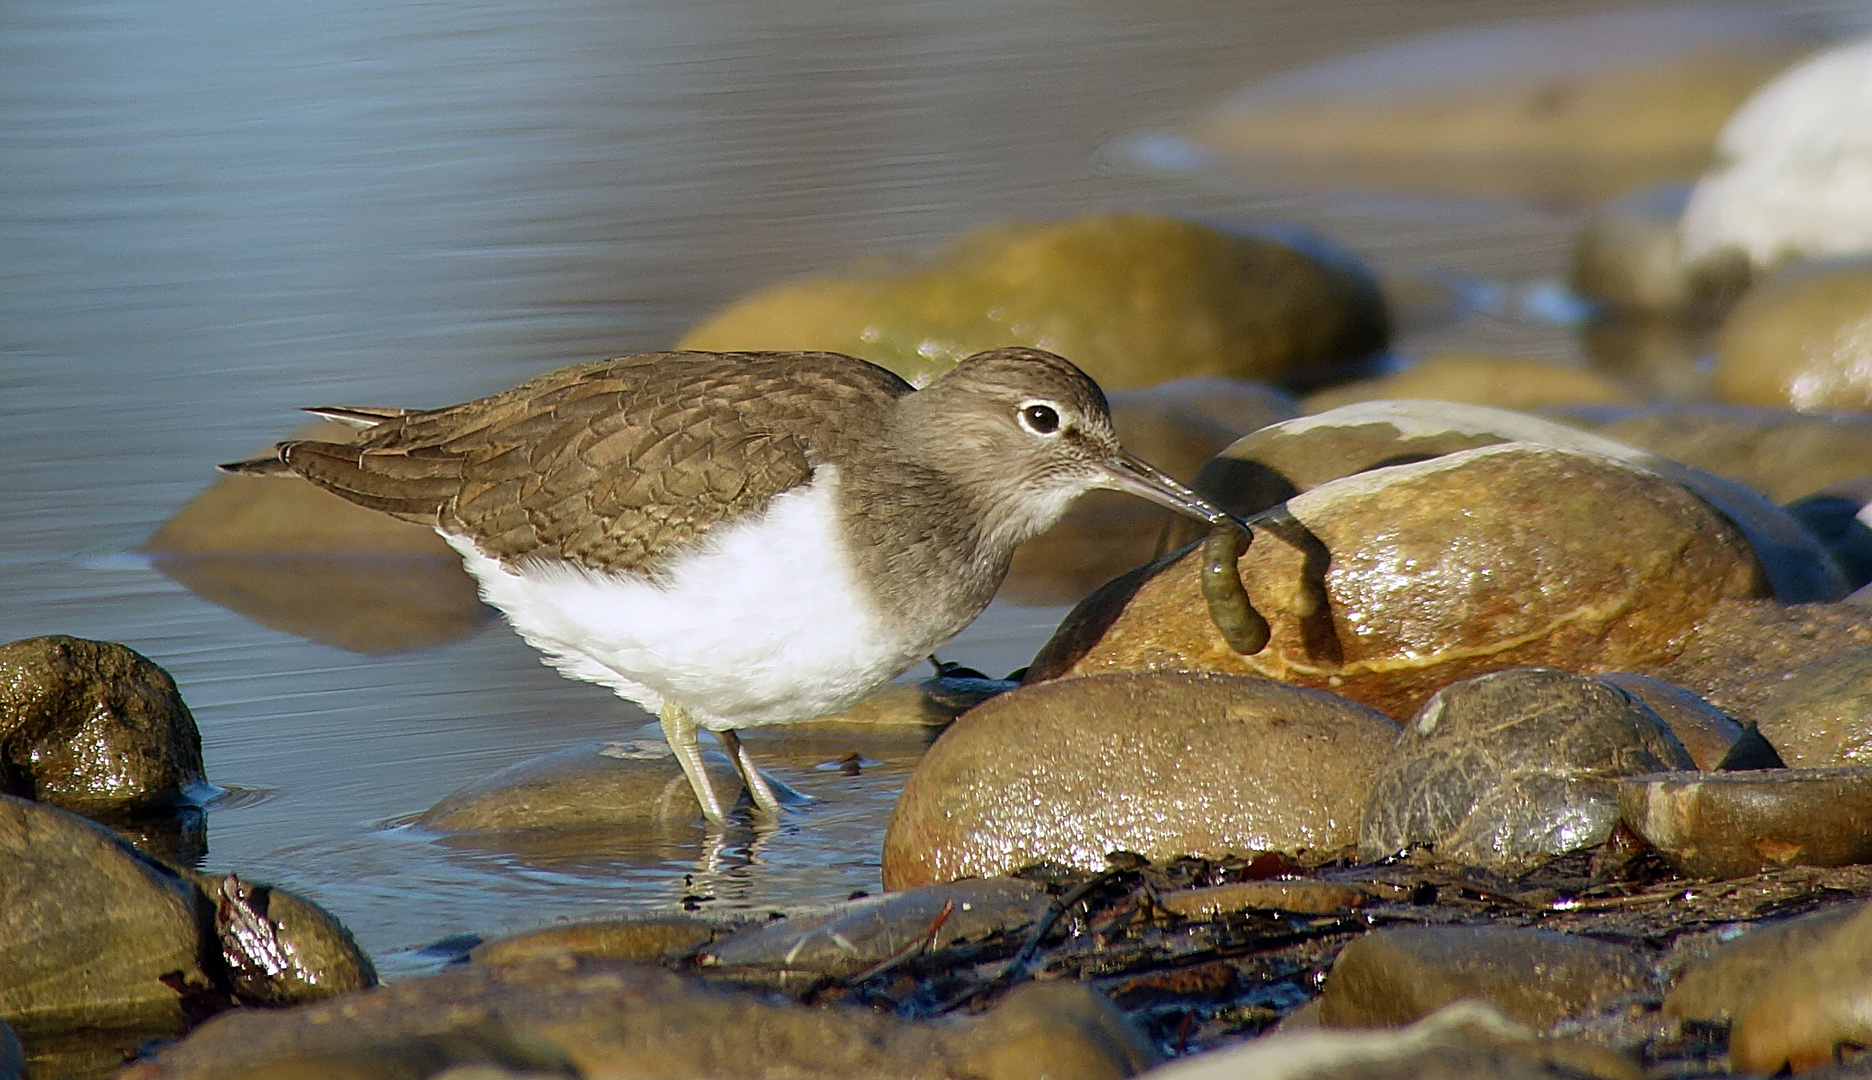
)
(213, 213)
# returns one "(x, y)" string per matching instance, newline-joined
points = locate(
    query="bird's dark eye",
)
(1041, 419)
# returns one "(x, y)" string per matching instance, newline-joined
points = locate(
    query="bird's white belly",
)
(764, 623)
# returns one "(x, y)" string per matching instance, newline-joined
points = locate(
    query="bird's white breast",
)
(762, 623)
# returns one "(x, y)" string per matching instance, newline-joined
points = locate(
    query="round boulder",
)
(1822, 713)
(1705, 731)
(1508, 770)
(1781, 453)
(1282, 460)
(93, 726)
(1507, 382)
(1134, 299)
(1162, 765)
(1801, 339)
(1505, 556)
(92, 932)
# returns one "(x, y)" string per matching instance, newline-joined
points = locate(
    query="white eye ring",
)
(1039, 417)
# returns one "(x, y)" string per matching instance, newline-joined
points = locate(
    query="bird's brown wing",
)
(616, 464)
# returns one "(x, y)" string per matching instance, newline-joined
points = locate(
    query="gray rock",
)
(860, 934)
(1506, 770)
(94, 727)
(1733, 824)
(1159, 764)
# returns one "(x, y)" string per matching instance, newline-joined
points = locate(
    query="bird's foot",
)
(768, 793)
(680, 729)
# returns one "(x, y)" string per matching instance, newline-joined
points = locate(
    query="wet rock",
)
(280, 948)
(1464, 1041)
(602, 1018)
(92, 932)
(1504, 381)
(1133, 299)
(646, 940)
(1060, 1029)
(614, 782)
(1570, 109)
(1722, 986)
(1821, 714)
(1802, 338)
(1705, 731)
(1815, 1004)
(1779, 452)
(1507, 770)
(1281, 460)
(858, 935)
(1791, 180)
(1474, 561)
(1732, 824)
(1176, 426)
(1741, 652)
(1393, 977)
(95, 727)
(1305, 897)
(1162, 765)
(1629, 257)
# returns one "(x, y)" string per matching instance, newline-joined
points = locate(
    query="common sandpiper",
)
(734, 540)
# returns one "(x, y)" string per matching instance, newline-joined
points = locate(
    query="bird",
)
(739, 539)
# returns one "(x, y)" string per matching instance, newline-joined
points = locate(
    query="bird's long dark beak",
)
(1130, 473)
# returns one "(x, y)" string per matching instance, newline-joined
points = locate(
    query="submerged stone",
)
(644, 940)
(1133, 299)
(1507, 770)
(1164, 765)
(614, 782)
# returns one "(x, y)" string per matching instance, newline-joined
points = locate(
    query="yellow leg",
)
(758, 788)
(680, 729)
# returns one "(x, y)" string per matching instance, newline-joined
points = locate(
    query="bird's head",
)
(1023, 433)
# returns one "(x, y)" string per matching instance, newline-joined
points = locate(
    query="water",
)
(213, 212)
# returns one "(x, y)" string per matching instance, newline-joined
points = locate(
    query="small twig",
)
(1011, 970)
(916, 948)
